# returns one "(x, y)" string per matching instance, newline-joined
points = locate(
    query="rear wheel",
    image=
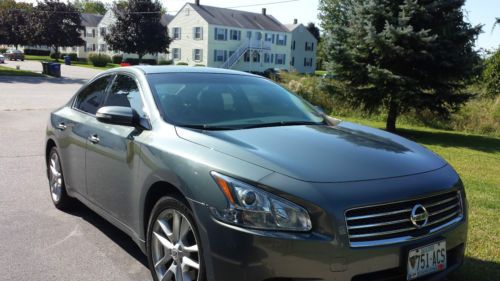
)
(173, 243)
(56, 181)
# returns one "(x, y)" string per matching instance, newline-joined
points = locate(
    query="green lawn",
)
(76, 63)
(320, 72)
(477, 159)
(7, 71)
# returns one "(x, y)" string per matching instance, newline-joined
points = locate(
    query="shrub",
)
(3, 50)
(165, 62)
(55, 56)
(491, 75)
(133, 61)
(200, 65)
(99, 59)
(34, 52)
(72, 56)
(182, 63)
(117, 59)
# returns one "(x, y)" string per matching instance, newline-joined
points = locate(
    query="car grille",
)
(391, 223)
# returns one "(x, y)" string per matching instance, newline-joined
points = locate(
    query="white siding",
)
(301, 35)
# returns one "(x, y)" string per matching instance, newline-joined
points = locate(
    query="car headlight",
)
(252, 207)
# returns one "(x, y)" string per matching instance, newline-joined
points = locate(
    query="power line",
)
(233, 7)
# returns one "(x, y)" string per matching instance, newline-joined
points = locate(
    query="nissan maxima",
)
(222, 175)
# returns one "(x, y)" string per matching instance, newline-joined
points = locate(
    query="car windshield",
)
(228, 101)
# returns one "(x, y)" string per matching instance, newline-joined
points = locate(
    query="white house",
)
(226, 38)
(90, 35)
(304, 45)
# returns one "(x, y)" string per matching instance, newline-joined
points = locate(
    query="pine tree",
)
(138, 29)
(400, 55)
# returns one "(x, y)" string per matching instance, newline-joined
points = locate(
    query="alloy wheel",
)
(174, 248)
(55, 177)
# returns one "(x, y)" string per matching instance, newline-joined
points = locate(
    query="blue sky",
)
(477, 12)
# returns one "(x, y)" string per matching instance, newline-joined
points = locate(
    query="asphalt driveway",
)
(38, 242)
(67, 71)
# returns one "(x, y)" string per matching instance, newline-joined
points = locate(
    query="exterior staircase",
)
(252, 45)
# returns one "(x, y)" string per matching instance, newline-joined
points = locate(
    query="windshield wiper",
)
(205, 127)
(283, 123)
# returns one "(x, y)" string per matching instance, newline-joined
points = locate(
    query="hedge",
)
(117, 59)
(99, 59)
(144, 61)
(34, 52)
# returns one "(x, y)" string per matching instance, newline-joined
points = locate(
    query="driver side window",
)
(125, 92)
(90, 98)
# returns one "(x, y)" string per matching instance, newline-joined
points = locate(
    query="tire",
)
(57, 187)
(165, 250)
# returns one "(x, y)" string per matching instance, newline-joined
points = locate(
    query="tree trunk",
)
(140, 59)
(56, 53)
(392, 115)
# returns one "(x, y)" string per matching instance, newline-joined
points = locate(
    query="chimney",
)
(264, 11)
(197, 2)
(295, 21)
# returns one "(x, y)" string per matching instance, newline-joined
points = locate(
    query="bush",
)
(99, 59)
(165, 62)
(3, 50)
(56, 56)
(491, 75)
(182, 63)
(200, 65)
(72, 56)
(34, 52)
(133, 61)
(117, 59)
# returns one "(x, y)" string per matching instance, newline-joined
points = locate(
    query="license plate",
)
(426, 260)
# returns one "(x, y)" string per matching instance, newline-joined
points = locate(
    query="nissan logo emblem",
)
(419, 216)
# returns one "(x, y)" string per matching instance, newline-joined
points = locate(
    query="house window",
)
(102, 47)
(187, 11)
(269, 37)
(235, 35)
(256, 57)
(93, 32)
(268, 58)
(93, 47)
(280, 58)
(281, 40)
(309, 46)
(308, 62)
(220, 34)
(176, 33)
(293, 45)
(231, 53)
(246, 56)
(103, 31)
(292, 63)
(176, 53)
(249, 34)
(197, 55)
(258, 35)
(220, 55)
(198, 33)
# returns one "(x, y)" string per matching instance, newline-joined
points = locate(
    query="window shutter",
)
(194, 32)
(225, 34)
(201, 54)
(215, 55)
(194, 54)
(285, 40)
(215, 34)
(201, 33)
(312, 46)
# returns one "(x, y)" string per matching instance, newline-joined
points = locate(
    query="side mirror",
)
(118, 115)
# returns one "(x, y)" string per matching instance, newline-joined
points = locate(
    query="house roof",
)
(292, 26)
(237, 18)
(90, 19)
(166, 19)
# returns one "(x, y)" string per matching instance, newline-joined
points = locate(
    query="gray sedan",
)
(221, 175)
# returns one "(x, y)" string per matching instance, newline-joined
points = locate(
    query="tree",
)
(400, 55)
(14, 22)
(491, 74)
(314, 30)
(90, 6)
(137, 29)
(56, 24)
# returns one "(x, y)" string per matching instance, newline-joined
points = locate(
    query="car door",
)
(112, 153)
(70, 123)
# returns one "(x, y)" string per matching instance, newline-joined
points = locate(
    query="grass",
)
(320, 72)
(477, 159)
(7, 71)
(75, 63)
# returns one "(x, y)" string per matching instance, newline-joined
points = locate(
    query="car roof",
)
(156, 69)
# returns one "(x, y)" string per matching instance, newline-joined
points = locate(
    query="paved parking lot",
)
(38, 242)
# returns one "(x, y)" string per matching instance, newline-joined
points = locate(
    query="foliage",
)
(200, 65)
(133, 61)
(402, 55)
(98, 59)
(320, 56)
(90, 6)
(165, 62)
(61, 27)
(73, 56)
(117, 59)
(138, 33)
(182, 63)
(491, 75)
(3, 50)
(36, 52)
(14, 22)
(311, 27)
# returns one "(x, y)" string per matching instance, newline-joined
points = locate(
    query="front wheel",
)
(58, 193)
(173, 243)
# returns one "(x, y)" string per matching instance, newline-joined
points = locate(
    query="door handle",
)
(61, 126)
(94, 139)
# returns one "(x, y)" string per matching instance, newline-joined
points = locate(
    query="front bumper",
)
(233, 253)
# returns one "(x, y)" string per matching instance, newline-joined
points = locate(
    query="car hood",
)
(321, 153)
